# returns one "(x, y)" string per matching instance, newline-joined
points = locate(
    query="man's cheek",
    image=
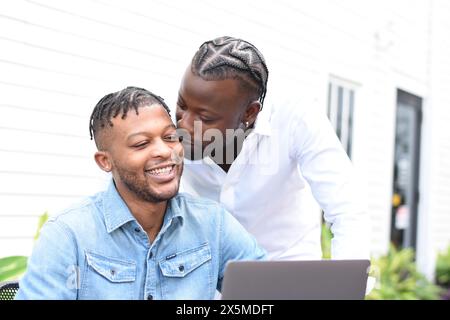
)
(177, 155)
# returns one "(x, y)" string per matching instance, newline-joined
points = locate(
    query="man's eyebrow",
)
(146, 132)
(170, 126)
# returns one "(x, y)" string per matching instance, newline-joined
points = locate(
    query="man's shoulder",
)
(80, 214)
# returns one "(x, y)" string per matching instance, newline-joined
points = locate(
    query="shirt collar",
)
(116, 212)
(173, 212)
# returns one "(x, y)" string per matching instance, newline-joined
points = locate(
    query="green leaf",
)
(399, 278)
(42, 219)
(443, 268)
(326, 241)
(12, 267)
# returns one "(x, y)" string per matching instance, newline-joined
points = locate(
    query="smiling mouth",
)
(164, 171)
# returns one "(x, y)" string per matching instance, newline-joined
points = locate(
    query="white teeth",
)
(159, 171)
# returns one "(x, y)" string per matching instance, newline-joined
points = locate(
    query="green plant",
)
(42, 220)
(443, 273)
(326, 241)
(443, 268)
(399, 279)
(13, 267)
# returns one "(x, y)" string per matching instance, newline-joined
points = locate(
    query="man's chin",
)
(165, 195)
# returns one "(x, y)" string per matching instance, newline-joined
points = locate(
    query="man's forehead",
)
(149, 118)
(154, 111)
(213, 95)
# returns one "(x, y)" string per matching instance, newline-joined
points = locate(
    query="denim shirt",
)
(97, 250)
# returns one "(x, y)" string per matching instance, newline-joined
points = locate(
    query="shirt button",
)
(137, 229)
(181, 268)
(150, 255)
(149, 297)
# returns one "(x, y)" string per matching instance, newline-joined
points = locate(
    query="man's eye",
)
(173, 138)
(206, 120)
(181, 106)
(140, 145)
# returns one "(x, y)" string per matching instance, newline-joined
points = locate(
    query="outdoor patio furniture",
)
(8, 290)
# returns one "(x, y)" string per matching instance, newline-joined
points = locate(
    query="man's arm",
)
(236, 244)
(330, 173)
(52, 271)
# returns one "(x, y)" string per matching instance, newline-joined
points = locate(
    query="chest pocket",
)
(183, 263)
(188, 274)
(112, 269)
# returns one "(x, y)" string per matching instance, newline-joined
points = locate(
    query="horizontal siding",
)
(26, 184)
(58, 59)
(23, 227)
(51, 164)
(73, 53)
(435, 230)
(34, 205)
(441, 83)
(16, 246)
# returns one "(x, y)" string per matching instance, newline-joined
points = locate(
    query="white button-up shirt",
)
(291, 157)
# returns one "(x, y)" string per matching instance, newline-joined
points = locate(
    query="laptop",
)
(295, 280)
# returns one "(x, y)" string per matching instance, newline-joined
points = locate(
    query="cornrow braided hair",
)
(119, 103)
(227, 57)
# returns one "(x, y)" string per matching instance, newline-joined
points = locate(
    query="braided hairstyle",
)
(119, 103)
(232, 58)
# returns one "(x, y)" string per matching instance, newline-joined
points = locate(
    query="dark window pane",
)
(339, 111)
(350, 123)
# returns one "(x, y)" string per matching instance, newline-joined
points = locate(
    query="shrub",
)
(443, 272)
(12, 267)
(399, 279)
(326, 241)
(443, 268)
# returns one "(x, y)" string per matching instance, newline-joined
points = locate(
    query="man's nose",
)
(161, 149)
(185, 121)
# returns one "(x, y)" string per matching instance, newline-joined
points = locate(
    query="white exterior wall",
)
(434, 232)
(58, 58)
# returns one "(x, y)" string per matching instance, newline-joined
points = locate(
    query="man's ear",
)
(102, 158)
(252, 112)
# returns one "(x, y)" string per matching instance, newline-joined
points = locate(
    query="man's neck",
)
(150, 215)
(225, 163)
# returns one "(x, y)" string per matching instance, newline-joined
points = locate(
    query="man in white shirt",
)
(266, 164)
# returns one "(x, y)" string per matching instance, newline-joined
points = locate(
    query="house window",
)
(341, 97)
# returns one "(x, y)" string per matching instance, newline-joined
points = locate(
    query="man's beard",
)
(141, 189)
(221, 146)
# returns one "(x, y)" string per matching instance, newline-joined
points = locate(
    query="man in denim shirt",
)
(139, 239)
